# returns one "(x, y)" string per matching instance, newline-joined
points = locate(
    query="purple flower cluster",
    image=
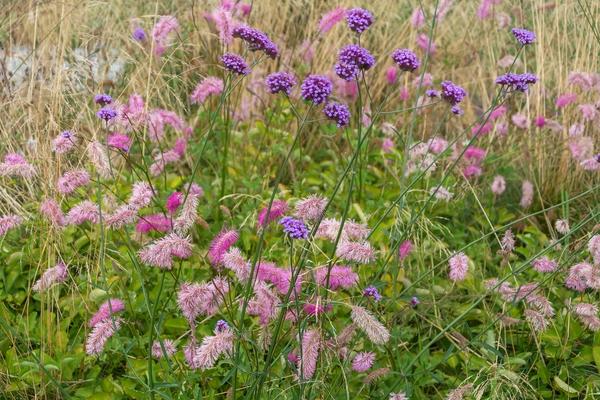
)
(406, 59)
(359, 19)
(452, 93)
(295, 228)
(351, 59)
(107, 113)
(316, 88)
(523, 36)
(340, 113)
(256, 40)
(235, 64)
(518, 82)
(432, 93)
(139, 34)
(280, 82)
(102, 99)
(372, 292)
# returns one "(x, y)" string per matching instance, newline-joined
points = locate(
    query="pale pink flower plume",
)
(225, 24)
(264, 304)
(541, 304)
(475, 154)
(220, 244)
(157, 350)
(311, 343)
(360, 252)
(508, 242)
(391, 75)
(340, 276)
(404, 250)
(583, 80)
(544, 264)
(233, 260)
(160, 253)
(582, 276)
(398, 396)
(562, 226)
(64, 142)
(281, 278)
(538, 321)
(330, 19)
(71, 180)
(154, 222)
(423, 42)
(363, 361)
(51, 210)
(100, 334)
(15, 164)
(162, 31)
(460, 392)
(133, 114)
(498, 185)
(375, 331)
(124, 215)
(99, 158)
(189, 210)
(485, 8)
(459, 266)
(520, 121)
(526, 194)
(355, 230)
(437, 145)
(310, 208)
(266, 216)
(209, 86)
(51, 276)
(417, 18)
(566, 99)
(212, 347)
(588, 111)
(594, 248)
(588, 315)
(119, 141)
(581, 147)
(86, 211)
(106, 310)
(141, 195)
(159, 119)
(205, 298)
(441, 193)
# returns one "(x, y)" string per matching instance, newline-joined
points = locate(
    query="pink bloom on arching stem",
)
(160, 253)
(404, 94)
(544, 264)
(363, 361)
(86, 211)
(498, 112)
(220, 244)
(340, 276)
(154, 222)
(526, 194)
(281, 278)
(360, 252)
(472, 170)
(581, 147)
(141, 195)
(423, 43)
(594, 248)
(475, 154)
(71, 180)
(196, 299)
(330, 19)
(391, 75)
(540, 121)
(51, 210)
(266, 216)
(157, 350)
(212, 347)
(520, 120)
(174, 201)
(161, 33)
(100, 334)
(16, 165)
(588, 314)
(99, 158)
(106, 310)
(387, 145)
(209, 86)
(64, 142)
(580, 277)
(498, 185)
(588, 111)
(564, 100)
(417, 18)
(225, 24)
(481, 130)
(264, 304)
(235, 261)
(375, 331)
(119, 141)
(459, 265)
(311, 343)
(310, 208)
(51, 276)
(405, 249)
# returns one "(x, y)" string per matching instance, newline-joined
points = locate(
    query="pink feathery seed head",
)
(209, 86)
(459, 265)
(437, 145)
(423, 42)
(71, 180)
(278, 208)
(119, 141)
(311, 343)
(281, 278)
(526, 194)
(86, 211)
(99, 158)
(520, 121)
(360, 252)
(235, 261)
(124, 215)
(160, 253)
(340, 276)
(317, 308)
(562, 226)
(588, 111)
(481, 130)
(174, 200)
(417, 18)
(508, 241)
(498, 185)
(472, 171)
(391, 75)
(100, 334)
(405, 249)
(387, 145)
(106, 310)
(355, 231)
(51, 276)
(588, 315)
(51, 210)
(141, 195)
(157, 350)
(375, 331)
(220, 244)
(594, 248)
(544, 264)
(225, 23)
(189, 211)
(538, 321)
(330, 19)
(211, 348)
(161, 33)
(475, 154)
(579, 277)
(540, 121)
(16, 165)
(310, 208)
(154, 223)
(501, 128)
(64, 142)
(363, 361)
(264, 304)
(132, 114)
(581, 147)
(202, 298)
(565, 99)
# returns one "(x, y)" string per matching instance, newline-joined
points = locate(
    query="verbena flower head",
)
(432, 93)
(107, 113)
(406, 59)
(280, 82)
(523, 36)
(359, 56)
(234, 63)
(316, 89)
(256, 40)
(340, 113)
(452, 93)
(359, 19)
(103, 99)
(347, 72)
(139, 34)
(295, 228)
(518, 82)
(371, 291)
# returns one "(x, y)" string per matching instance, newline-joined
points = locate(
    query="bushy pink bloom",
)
(86, 211)
(485, 8)
(16, 165)
(520, 121)
(472, 170)
(51, 210)
(594, 248)
(220, 244)
(196, 299)
(225, 24)
(588, 315)
(360, 252)
(154, 222)
(363, 361)
(119, 141)
(160, 253)
(540, 121)
(562, 226)
(174, 201)
(99, 158)
(538, 321)
(340, 276)
(387, 145)
(235, 261)
(588, 111)
(281, 278)
(51, 276)
(502, 128)
(189, 210)
(459, 266)
(157, 350)
(330, 19)
(417, 18)
(423, 42)
(71, 180)
(590, 164)
(310, 208)
(405, 249)
(100, 334)
(264, 304)
(582, 147)
(64, 142)
(391, 75)
(266, 216)
(581, 277)
(161, 33)
(106, 310)
(133, 114)
(212, 347)
(526, 194)
(209, 86)
(311, 343)
(508, 242)
(375, 331)
(498, 112)
(141, 195)
(584, 80)
(159, 119)
(498, 185)
(544, 264)
(124, 215)
(564, 100)
(441, 193)
(475, 154)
